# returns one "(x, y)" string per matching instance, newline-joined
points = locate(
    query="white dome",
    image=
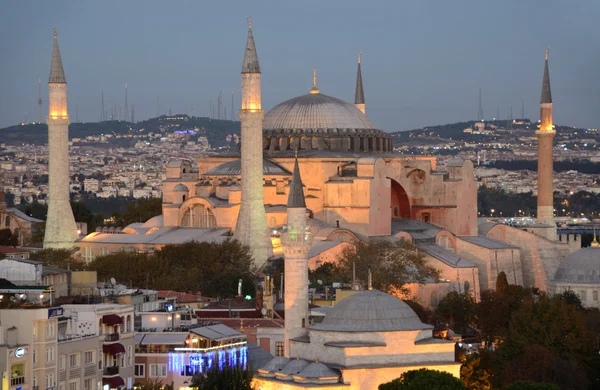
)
(315, 111)
(371, 311)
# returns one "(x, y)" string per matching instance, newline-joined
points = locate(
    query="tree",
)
(152, 384)
(141, 211)
(392, 264)
(526, 385)
(60, 258)
(424, 379)
(227, 378)
(571, 298)
(501, 282)
(551, 323)
(458, 310)
(327, 273)
(474, 374)
(206, 267)
(7, 238)
(538, 364)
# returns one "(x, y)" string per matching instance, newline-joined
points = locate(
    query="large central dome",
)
(315, 111)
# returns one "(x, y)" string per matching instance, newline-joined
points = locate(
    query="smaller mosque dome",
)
(181, 188)
(371, 311)
(582, 266)
(317, 373)
(294, 367)
(275, 365)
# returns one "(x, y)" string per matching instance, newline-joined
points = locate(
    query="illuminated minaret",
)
(545, 136)
(251, 228)
(61, 231)
(296, 244)
(359, 96)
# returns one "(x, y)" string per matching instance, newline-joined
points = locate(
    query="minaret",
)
(296, 244)
(251, 228)
(359, 96)
(61, 231)
(545, 136)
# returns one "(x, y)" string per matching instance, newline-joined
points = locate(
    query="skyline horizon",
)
(445, 93)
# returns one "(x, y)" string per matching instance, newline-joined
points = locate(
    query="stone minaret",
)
(545, 136)
(61, 231)
(251, 228)
(359, 96)
(296, 244)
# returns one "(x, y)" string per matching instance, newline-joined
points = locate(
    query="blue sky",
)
(423, 61)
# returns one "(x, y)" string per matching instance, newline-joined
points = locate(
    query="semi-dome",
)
(582, 266)
(181, 187)
(316, 111)
(234, 168)
(371, 311)
(275, 365)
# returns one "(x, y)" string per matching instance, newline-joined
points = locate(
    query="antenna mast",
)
(126, 108)
(480, 110)
(39, 101)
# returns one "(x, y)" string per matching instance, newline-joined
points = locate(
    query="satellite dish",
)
(263, 311)
(319, 282)
(113, 281)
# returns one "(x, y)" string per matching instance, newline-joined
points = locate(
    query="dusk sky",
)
(423, 62)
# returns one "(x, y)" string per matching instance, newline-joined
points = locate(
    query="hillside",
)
(215, 130)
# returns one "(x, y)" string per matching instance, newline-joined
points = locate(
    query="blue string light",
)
(232, 357)
(222, 356)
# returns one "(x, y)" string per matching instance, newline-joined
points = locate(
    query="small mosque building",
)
(367, 339)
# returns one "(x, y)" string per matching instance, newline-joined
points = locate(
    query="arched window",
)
(182, 198)
(199, 216)
(583, 295)
(183, 171)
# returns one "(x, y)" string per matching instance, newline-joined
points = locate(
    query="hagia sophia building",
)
(314, 175)
(355, 187)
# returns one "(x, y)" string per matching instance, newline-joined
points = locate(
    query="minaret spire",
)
(359, 96)
(250, 64)
(296, 197)
(546, 94)
(57, 74)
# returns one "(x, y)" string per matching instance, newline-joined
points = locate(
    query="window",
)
(34, 356)
(87, 384)
(49, 380)
(50, 355)
(130, 355)
(62, 361)
(74, 360)
(50, 329)
(88, 357)
(396, 211)
(595, 295)
(34, 330)
(279, 348)
(74, 386)
(158, 370)
(583, 295)
(140, 370)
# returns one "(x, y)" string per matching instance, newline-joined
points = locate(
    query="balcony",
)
(111, 371)
(19, 380)
(111, 338)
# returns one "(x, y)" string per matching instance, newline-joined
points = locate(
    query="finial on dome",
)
(314, 90)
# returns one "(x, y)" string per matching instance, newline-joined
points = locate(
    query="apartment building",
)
(113, 324)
